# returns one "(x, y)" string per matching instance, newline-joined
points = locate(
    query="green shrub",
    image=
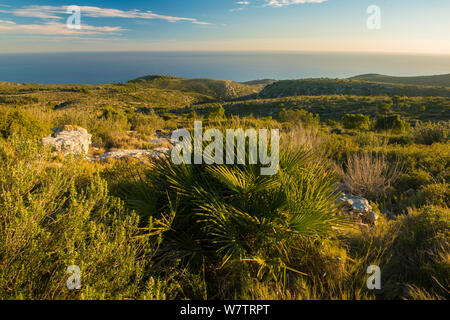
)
(369, 139)
(356, 121)
(385, 107)
(110, 113)
(109, 128)
(54, 216)
(429, 133)
(18, 100)
(16, 122)
(391, 122)
(414, 180)
(417, 255)
(299, 117)
(332, 123)
(215, 111)
(434, 159)
(436, 194)
(338, 147)
(146, 124)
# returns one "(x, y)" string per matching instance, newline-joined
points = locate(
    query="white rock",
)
(159, 141)
(359, 206)
(137, 154)
(69, 140)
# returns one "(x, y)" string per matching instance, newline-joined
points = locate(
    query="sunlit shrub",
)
(429, 133)
(356, 121)
(391, 122)
(302, 117)
(57, 215)
(15, 122)
(436, 194)
(215, 111)
(418, 255)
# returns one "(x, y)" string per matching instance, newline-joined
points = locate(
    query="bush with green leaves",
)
(300, 116)
(412, 252)
(57, 215)
(393, 123)
(146, 124)
(429, 133)
(416, 264)
(216, 111)
(434, 159)
(110, 113)
(15, 122)
(332, 123)
(435, 194)
(414, 179)
(356, 122)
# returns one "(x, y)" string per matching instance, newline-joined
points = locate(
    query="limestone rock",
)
(69, 140)
(136, 154)
(359, 207)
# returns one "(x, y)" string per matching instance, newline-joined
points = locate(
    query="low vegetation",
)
(161, 231)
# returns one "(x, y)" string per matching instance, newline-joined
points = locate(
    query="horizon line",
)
(237, 51)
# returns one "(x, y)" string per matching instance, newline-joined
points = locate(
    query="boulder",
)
(359, 207)
(69, 140)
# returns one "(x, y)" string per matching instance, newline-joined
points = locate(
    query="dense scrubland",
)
(141, 230)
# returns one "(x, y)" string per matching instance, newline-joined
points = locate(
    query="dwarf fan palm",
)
(232, 215)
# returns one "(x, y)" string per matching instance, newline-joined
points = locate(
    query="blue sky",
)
(413, 26)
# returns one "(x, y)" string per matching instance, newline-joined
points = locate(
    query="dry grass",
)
(369, 175)
(306, 137)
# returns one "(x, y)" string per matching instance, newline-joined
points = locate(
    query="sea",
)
(110, 67)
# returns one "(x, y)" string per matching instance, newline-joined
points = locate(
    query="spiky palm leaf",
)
(234, 215)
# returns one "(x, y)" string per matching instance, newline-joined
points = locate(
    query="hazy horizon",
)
(105, 67)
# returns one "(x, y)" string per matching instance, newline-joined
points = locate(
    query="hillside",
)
(363, 180)
(260, 82)
(315, 87)
(215, 89)
(438, 80)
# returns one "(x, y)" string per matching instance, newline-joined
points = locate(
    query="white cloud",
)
(7, 22)
(43, 12)
(242, 5)
(54, 28)
(283, 3)
(52, 12)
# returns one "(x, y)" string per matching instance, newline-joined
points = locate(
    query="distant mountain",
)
(324, 86)
(215, 89)
(438, 80)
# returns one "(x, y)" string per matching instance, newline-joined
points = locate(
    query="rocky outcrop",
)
(157, 153)
(358, 207)
(69, 140)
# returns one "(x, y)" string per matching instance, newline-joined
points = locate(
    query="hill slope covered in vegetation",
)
(215, 89)
(315, 87)
(442, 80)
(223, 231)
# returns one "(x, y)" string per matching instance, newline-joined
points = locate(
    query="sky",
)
(413, 26)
